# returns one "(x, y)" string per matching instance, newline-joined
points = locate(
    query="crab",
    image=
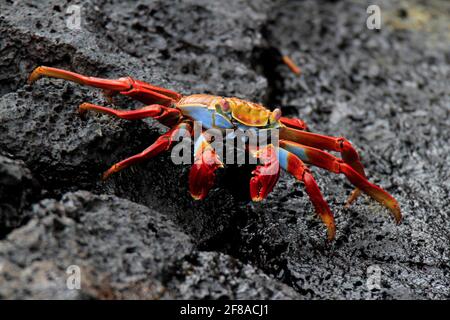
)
(296, 147)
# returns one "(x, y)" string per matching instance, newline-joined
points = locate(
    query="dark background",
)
(139, 235)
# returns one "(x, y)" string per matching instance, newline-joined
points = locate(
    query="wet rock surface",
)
(139, 235)
(121, 250)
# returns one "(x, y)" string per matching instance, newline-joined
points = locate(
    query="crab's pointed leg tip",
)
(397, 214)
(109, 172)
(33, 77)
(352, 198)
(394, 209)
(330, 237)
(105, 176)
(291, 65)
(331, 233)
(36, 74)
(83, 109)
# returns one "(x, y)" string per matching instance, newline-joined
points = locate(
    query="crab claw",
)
(265, 176)
(202, 176)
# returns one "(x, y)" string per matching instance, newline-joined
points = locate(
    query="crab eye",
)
(275, 116)
(225, 106)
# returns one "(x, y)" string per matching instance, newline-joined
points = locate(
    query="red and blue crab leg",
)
(165, 115)
(295, 166)
(206, 162)
(163, 143)
(128, 86)
(340, 144)
(265, 176)
(331, 163)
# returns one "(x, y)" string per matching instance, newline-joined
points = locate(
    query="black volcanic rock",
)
(18, 189)
(140, 235)
(123, 250)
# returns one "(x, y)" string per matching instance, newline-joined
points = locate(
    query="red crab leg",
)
(136, 89)
(331, 163)
(294, 123)
(206, 162)
(165, 115)
(295, 166)
(163, 143)
(265, 176)
(349, 154)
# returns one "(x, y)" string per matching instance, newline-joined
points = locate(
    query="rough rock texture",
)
(123, 250)
(385, 90)
(18, 189)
